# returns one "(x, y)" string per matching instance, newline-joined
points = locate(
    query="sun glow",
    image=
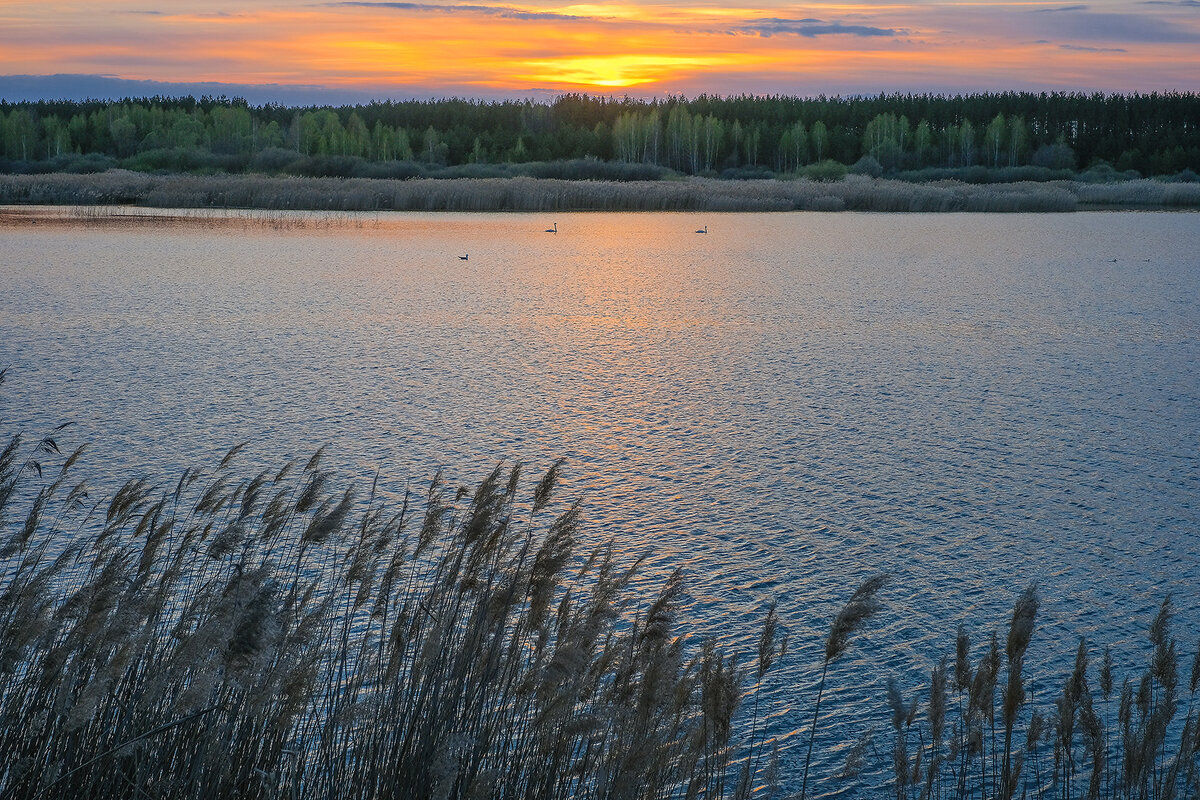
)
(608, 71)
(509, 45)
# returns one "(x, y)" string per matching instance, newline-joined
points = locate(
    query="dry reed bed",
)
(855, 192)
(273, 637)
(132, 217)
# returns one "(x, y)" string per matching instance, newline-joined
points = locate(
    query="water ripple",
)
(972, 403)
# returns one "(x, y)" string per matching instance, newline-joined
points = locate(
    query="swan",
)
(705, 230)
(464, 258)
(553, 230)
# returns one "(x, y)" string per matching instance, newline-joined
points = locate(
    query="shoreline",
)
(121, 188)
(58, 217)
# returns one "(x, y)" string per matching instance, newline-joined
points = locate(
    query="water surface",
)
(782, 407)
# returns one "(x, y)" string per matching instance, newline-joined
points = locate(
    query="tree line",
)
(737, 136)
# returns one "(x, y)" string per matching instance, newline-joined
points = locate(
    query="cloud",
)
(504, 12)
(1081, 49)
(773, 26)
(1183, 3)
(1113, 27)
(1061, 8)
(764, 27)
(187, 15)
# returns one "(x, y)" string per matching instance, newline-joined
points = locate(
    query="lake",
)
(782, 407)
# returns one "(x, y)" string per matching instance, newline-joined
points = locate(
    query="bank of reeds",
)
(233, 218)
(274, 637)
(854, 192)
(976, 730)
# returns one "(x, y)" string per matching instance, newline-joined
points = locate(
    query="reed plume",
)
(270, 636)
(861, 606)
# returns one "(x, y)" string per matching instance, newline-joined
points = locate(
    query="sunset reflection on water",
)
(781, 407)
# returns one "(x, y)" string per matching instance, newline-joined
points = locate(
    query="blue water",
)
(783, 406)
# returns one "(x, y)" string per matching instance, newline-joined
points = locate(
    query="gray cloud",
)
(1061, 8)
(765, 27)
(1082, 49)
(1112, 27)
(210, 15)
(773, 26)
(504, 12)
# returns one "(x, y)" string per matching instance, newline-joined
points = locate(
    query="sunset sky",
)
(539, 47)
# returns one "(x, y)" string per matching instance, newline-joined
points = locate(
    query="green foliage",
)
(1058, 155)
(827, 170)
(1151, 134)
(867, 165)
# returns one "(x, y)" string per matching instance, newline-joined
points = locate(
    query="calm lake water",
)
(782, 407)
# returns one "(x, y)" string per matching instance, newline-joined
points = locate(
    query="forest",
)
(978, 138)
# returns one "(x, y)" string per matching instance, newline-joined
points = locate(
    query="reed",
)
(1149, 754)
(861, 606)
(270, 636)
(524, 193)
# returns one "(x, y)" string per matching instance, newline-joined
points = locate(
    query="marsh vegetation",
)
(852, 192)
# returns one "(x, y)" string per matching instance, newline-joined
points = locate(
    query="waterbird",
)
(464, 258)
(705, 230)
(553, 230)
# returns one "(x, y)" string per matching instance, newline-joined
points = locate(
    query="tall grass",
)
(271, 636)
(1001, 744)
(853, 192)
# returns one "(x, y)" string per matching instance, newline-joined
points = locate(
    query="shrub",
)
(827, 170)
(83, 164)
(390, 170)
(183, 160)
(1054, 156)
(1100, 172)
(867, 165)
(326, 166)
(274, 159)
(746, 173)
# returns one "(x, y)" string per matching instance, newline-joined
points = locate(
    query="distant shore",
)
(852, 193)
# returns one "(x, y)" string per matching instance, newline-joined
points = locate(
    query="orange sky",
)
(486, 48)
